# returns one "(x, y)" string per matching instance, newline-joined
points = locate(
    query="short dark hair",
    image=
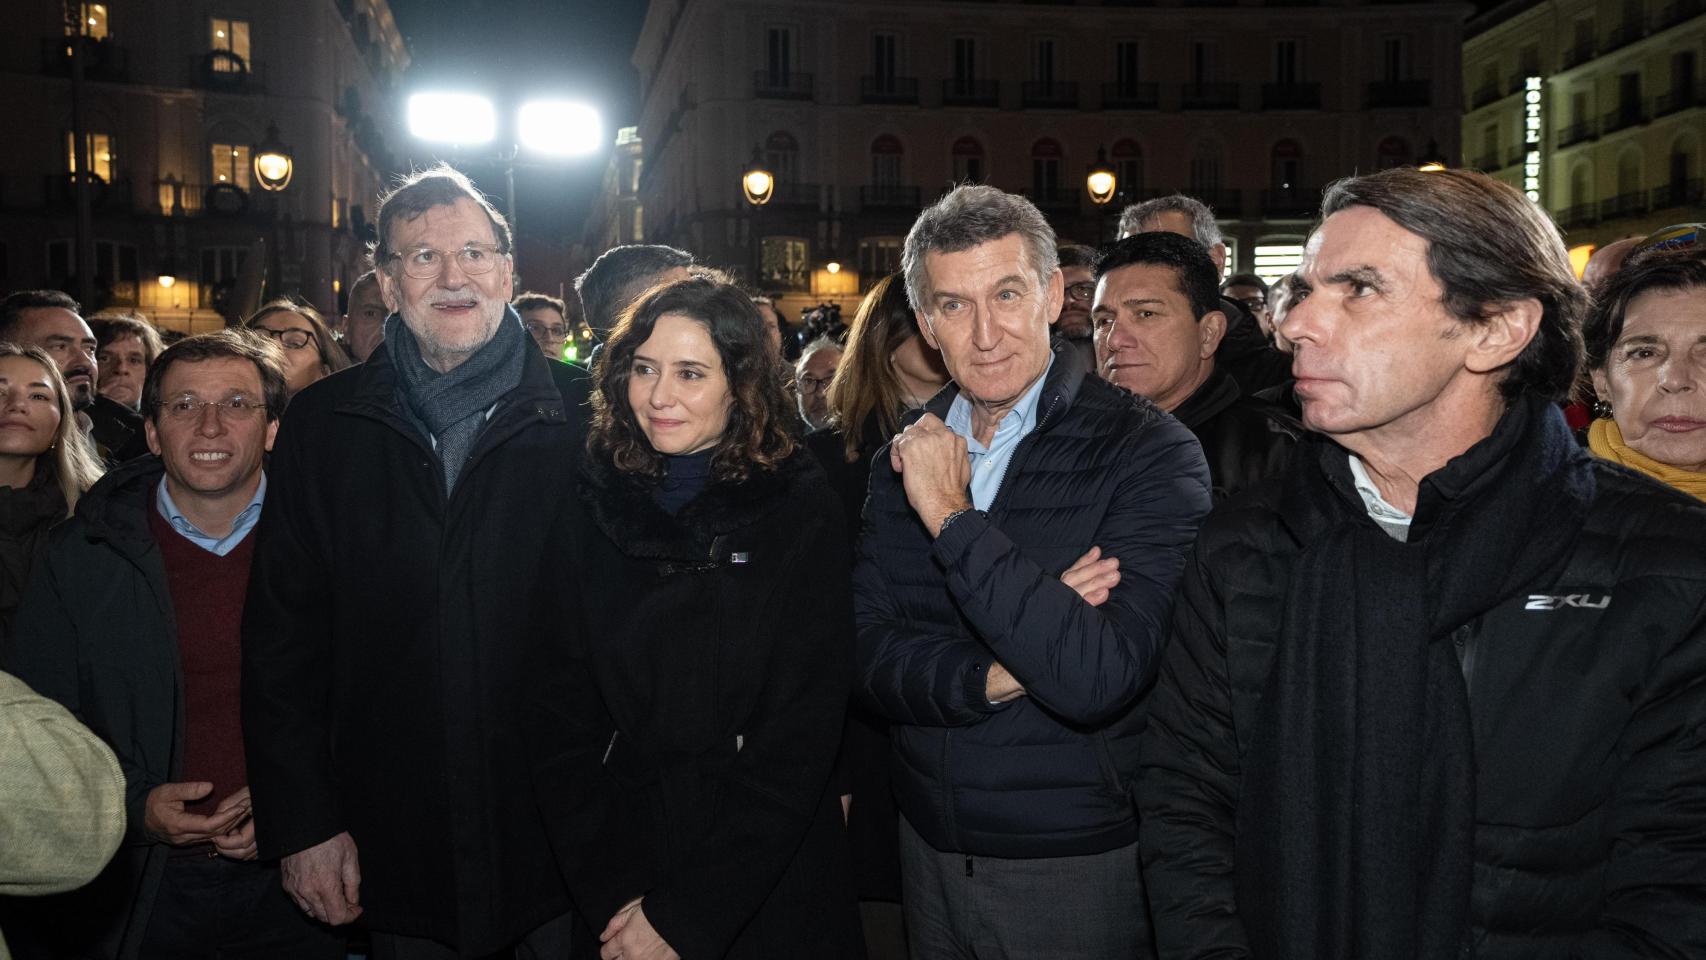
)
(111, 329)
(1075, 255)
(13, 306)
(1245, 280)
(1654, 272)
(440, 185)
(333, 357)
(619, 276)
(1488, 246)
(232, 342)
(1193, 271)
(760, 419)
(535, 301)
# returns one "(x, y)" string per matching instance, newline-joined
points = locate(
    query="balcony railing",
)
(1399, 93)
(1488, 162)
(1676, 13)
(1054, 199)
(1131, 96)
(1623, 205)
(1209, 96)
(1578, 132)
(1666, 104)
(1227, 204)
(1049, 94)
(1580, 215)
(1291, 202)
(797, 194)
(227, 72)
(1491, 93)
(888, 89)
(102, 59)
(1625, 116)
(889, 195)
(1689, 193)
(1291, 96)
(960, 92)
(1579, 54)
(1623, 35)
(774, 85)
(62, 189)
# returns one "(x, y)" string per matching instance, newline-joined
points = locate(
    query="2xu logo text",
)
(1584, 601)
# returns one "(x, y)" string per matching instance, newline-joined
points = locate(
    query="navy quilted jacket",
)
(1048, 774)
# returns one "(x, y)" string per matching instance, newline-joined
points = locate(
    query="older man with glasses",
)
(393, 573)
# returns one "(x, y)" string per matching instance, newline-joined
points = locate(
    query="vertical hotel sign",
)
(1531, 99)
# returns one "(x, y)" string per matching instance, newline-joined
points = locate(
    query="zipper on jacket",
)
(1463, 638)
(609, 747)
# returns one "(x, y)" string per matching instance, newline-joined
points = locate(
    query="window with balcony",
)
(1489, 159)
(1395, 59)
(1045, 169)
(779, 43)
(885, 56)
(786, 264)
(230, 38)
(1127, 158)
(968, 160)
(1205, 62)
(1287, 160)
(219, 269)
(99, 155)
(887, 155)
(1206, 165)
(115, 267)
(1528, 60)
(879, 257)
(1042, 60)
(1126, 67)
(229, 163)
(965, 61)
(1288, 58)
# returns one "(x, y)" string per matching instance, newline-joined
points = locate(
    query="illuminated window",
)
(230, 164)
(229, 36)
(100, 155)
(94, 21)
(337, 214)
(968, 160)
(1277, 258)
(786, 264)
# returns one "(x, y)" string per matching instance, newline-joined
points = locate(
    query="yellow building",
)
(1597, 108)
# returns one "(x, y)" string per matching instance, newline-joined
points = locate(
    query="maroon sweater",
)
(207, 597)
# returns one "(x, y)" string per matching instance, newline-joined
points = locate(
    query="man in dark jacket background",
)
(1158, 322)
(392, 584)
(133, 624)
(1441, 690)
(1021, 542)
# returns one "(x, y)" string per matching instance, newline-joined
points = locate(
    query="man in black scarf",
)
(393, 574)
(1441, 691)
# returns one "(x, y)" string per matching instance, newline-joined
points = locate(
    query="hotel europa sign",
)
(1531, 98)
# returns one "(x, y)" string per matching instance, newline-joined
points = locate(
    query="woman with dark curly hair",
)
(1646, 353)
(694, 671)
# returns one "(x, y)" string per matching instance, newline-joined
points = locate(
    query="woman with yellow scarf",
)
(1646, 347)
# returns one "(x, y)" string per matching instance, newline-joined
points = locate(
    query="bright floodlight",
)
(452, 118)
(560, 127)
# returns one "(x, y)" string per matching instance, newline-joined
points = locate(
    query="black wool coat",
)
(692, 678)
(381, 649)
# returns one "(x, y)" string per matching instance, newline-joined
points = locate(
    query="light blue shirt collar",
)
(989, 463)
(218, 546)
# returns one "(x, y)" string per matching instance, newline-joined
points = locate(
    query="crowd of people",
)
(1071, 602)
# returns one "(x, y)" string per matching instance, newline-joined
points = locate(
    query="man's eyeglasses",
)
(426, 263)
(291, 339)
(1252, 304)
(810, 384)
(556, 331)
(188, 408)
(1084, 291)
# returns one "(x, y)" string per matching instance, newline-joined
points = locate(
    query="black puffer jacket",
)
(1048, 774)
(1587, 696)
(1246, 441)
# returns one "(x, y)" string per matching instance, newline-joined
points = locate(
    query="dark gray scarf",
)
(451, 407)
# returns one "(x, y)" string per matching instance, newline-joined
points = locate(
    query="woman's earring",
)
(1602, 409)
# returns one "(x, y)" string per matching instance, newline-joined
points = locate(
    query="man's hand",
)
(237, 843)
(325, 880)
(165, 819)
(630, 936)
(999, 686)
(934, 469)
(1093, 575)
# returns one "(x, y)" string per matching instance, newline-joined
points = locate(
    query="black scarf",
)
(1356, 814)
(451, 407)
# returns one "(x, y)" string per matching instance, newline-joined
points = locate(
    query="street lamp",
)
(273, 164)
(1432, 160)
(758, 185)
(1101, 182)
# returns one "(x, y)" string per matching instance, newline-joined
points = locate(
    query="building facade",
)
(1596, 108)
(866, 111)
(176, 96)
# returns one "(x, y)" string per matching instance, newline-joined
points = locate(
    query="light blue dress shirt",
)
(989, 464)
(218, 546)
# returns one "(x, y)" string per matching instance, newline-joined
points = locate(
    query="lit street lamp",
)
(1101, 182)
(1432, 160)
(758, 184)
(273, 164)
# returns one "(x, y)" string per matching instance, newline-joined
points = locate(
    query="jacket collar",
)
(115, 509)
(375, 389)
(1212, 396)
(1060, 388)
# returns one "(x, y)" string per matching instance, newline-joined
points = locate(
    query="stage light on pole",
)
(560, 127)
(461, 118)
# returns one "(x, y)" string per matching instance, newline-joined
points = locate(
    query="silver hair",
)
(968, 216)
(821, 343)
(1203, 227)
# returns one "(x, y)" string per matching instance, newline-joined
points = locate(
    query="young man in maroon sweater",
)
(135, 626)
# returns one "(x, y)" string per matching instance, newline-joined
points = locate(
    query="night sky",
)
(515, 50)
